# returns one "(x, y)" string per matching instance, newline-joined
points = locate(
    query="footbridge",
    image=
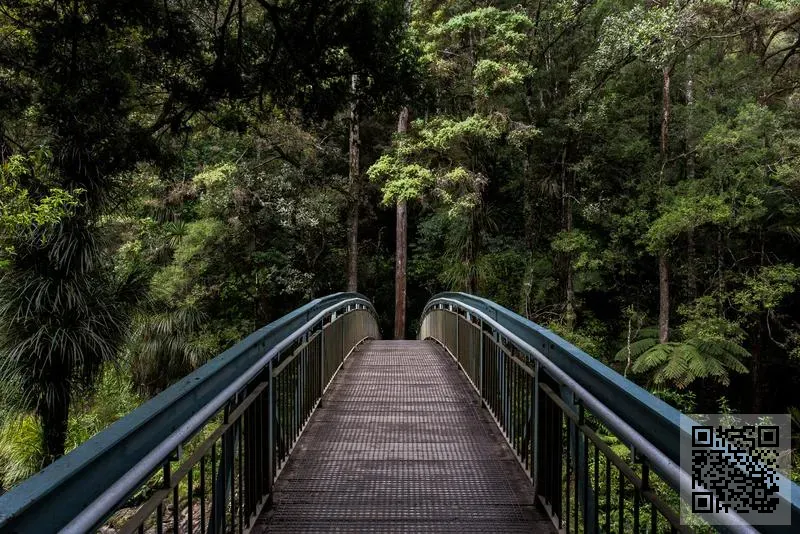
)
(486, 423)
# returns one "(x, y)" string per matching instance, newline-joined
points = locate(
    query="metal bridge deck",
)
(400, 443)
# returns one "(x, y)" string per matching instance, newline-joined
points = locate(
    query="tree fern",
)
(680, 363)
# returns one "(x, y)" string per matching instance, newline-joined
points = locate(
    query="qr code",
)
(738, 465)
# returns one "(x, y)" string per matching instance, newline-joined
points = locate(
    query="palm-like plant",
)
(63, 314)
(680, 363)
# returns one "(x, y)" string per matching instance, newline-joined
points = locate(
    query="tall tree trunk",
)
(691, 250)
(566, 224)
(663, 298)
(401, 247)
(530, 233)
(663, 264)
(54, 416)
(355, 191)
(570, 315)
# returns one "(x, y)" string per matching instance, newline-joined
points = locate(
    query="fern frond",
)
(676, 368)
(648, 332)
(637, 348)
(719, 347)
(656, 355)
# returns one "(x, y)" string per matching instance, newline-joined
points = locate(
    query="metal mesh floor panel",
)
(401, 444)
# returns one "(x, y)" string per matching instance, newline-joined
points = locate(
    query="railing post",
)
(535, 430)
(322, 359)
(270, 432)
(458, 354)
(224, 478)
(480, 366)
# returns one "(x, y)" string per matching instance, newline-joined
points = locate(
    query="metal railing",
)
(602, 453)
(202, 456)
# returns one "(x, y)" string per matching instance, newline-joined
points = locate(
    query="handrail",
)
(648, 425)
(105, 470)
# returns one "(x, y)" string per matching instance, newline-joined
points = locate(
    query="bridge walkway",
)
(400, 443)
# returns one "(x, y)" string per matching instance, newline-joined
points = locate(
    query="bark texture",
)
(663, 262)
(355, 191)
(401, 247)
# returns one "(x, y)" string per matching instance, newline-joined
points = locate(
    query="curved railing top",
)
(83, 476)
(628, 404)
(642, 410)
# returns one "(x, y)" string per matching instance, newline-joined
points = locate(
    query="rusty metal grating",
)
(401, 444)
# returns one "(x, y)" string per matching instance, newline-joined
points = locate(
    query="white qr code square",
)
(739, 466)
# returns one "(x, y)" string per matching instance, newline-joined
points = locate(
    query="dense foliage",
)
(175, 174)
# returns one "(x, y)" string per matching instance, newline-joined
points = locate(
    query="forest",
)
(175, 174)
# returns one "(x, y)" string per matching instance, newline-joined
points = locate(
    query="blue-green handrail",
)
(50, 499)
(653, 419)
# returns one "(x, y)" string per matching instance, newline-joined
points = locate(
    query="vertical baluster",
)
(190, 499)
(299, 397)
(646, 487)
(529, 425)
(621, 519)
(507, 371)
(512, 406)
(279, 418)
(229, 456)
(245, 450)
(653, 519)
(548, 457)
(495, 381)
(270, 430)
(636, 506)
(261, 425)
(608, 494)
(242, 501)
(296, 398)
(160, 518)
(306, 403)
(523, 413)
(176, 511)
(524, 410)
(167, 482)
(596, 491)
(480, 362)
(203, 494)
(504, 389)
(586, 481)
(567, 514)
(295, 402)
(286, 402)
(215, 512)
